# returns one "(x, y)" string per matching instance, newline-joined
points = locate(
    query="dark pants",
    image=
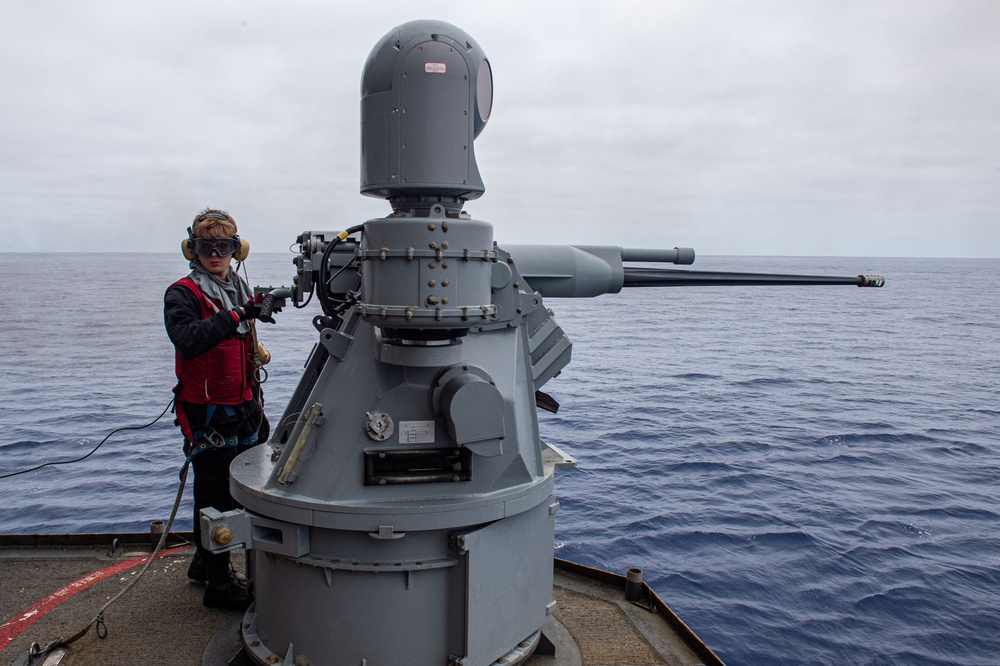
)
(211, 489)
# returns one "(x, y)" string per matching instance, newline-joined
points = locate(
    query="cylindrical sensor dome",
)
(426, 94)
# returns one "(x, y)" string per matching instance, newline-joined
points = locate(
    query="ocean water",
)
(807, 475)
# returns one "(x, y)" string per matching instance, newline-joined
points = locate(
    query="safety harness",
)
(206, 437)
(196, 441)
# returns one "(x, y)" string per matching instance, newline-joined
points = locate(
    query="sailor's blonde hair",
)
(213, 223)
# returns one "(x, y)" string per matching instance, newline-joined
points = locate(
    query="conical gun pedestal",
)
(407, 516)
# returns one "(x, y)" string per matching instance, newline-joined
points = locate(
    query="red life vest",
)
(221, 376)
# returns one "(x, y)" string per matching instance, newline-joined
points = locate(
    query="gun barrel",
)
(666, 277)
(682, 256)
(584, 271)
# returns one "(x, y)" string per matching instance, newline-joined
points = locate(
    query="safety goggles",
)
(204, 247)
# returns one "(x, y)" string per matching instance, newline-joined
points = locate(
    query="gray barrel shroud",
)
(584, 271)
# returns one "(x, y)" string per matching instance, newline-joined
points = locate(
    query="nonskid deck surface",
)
(160, 621)
(49, 592)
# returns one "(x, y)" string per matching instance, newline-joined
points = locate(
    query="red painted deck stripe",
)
(13, 627)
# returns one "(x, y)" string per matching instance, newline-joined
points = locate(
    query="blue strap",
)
(209, 413)
(222, 443)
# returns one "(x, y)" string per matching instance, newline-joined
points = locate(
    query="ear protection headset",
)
(187, 245)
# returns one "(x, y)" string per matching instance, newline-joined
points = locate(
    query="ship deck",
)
(51, 586)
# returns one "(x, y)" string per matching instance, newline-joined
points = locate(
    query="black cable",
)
(299, 307)
(340, 305)
(323, 285)
(343, 268)
(66, 462)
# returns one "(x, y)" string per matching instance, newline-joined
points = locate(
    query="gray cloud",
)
(840, 128)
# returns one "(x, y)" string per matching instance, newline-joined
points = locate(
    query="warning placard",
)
(416, 432)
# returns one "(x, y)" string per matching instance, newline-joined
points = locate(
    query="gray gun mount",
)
(404, 510)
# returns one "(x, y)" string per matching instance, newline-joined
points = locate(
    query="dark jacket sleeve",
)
(192, 335)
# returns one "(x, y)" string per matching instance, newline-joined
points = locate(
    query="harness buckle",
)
(214, 438)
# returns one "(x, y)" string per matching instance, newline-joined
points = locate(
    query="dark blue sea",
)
(807, 475)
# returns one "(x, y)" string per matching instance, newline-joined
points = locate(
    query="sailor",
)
(209, 316)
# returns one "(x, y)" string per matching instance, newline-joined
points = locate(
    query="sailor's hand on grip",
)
(271, 301)
(247, 311)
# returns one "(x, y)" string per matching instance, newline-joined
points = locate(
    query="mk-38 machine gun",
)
(404, 511)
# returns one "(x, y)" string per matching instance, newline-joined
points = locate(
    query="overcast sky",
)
(858, 128)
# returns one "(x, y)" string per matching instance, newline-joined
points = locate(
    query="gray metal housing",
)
(426, 94)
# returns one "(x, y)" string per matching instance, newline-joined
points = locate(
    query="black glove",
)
(247, 311)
